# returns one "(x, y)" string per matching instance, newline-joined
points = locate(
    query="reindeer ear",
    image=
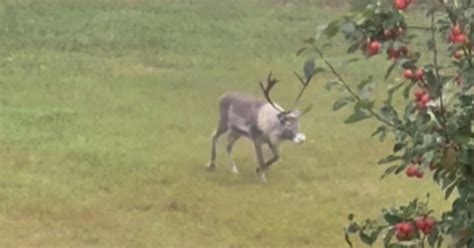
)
(297, 112)
(283, 116)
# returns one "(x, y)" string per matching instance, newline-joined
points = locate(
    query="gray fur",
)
(243, 115)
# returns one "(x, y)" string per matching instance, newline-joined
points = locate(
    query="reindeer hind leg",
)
(231, 139)
(221, 129)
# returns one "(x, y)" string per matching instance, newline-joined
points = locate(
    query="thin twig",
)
(470, 47)
(419, 28)
(450, 12)
(438, 78)
(305, 84)
(466, 53)
(356, 96)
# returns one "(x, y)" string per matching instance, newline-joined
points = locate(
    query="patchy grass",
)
(106, 111)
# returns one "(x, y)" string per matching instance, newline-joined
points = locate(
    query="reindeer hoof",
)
(210, 166)
(258, 170)
(234, 170)
(263, 178)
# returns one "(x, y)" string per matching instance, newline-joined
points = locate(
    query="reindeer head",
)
(289, 119)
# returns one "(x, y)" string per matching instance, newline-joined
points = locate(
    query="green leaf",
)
(332, 29)
(394, 19)
(301, 50)
(342, 102)
(392, 91)
(363, 105)
(389, 70)
(398, 146)
(356, 117)
(390, 158)
(348, 29)
(382, 130)
(351, 60)
(406, 91)
(430, 45)
(353, 48)
(350, 217)
(389, 113)
(433, 237)
(391, 218)
(450, 189)
(365, 82)
(318, 70)
(459, 204)
(331, 83)
(366, 238)
(390, 170)
(388, 237)
(308, 68)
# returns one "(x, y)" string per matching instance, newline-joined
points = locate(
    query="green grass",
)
(107, 107)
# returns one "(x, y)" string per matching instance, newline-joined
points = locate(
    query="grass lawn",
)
(106, 112)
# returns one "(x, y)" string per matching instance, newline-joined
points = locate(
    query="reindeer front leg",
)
(261, 163)
(275, 157)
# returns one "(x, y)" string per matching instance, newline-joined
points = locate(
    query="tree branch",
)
(356, 96)
(470, 47)
(419, 28)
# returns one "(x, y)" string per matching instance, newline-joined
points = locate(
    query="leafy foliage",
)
(434, 130)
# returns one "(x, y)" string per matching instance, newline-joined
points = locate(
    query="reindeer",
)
(262, 121)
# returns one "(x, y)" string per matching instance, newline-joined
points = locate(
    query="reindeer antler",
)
(266, 89)
(271, 82)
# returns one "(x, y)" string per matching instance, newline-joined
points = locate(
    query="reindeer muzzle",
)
(299, 138)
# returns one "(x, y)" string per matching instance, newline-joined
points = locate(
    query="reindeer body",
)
(241, 114)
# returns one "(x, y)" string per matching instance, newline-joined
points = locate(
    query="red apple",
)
(460, 38)
(403, 230)
(411, 170)
(419, 93)
(407, 228)
(373, 47)
(393, 53)
(400, 4)
(429, 223)
(456, 30)
(408, 74)
(419, 74)
(452, 38)
(425, 99)
(398, 226)
(420, 223)
(419, 174)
